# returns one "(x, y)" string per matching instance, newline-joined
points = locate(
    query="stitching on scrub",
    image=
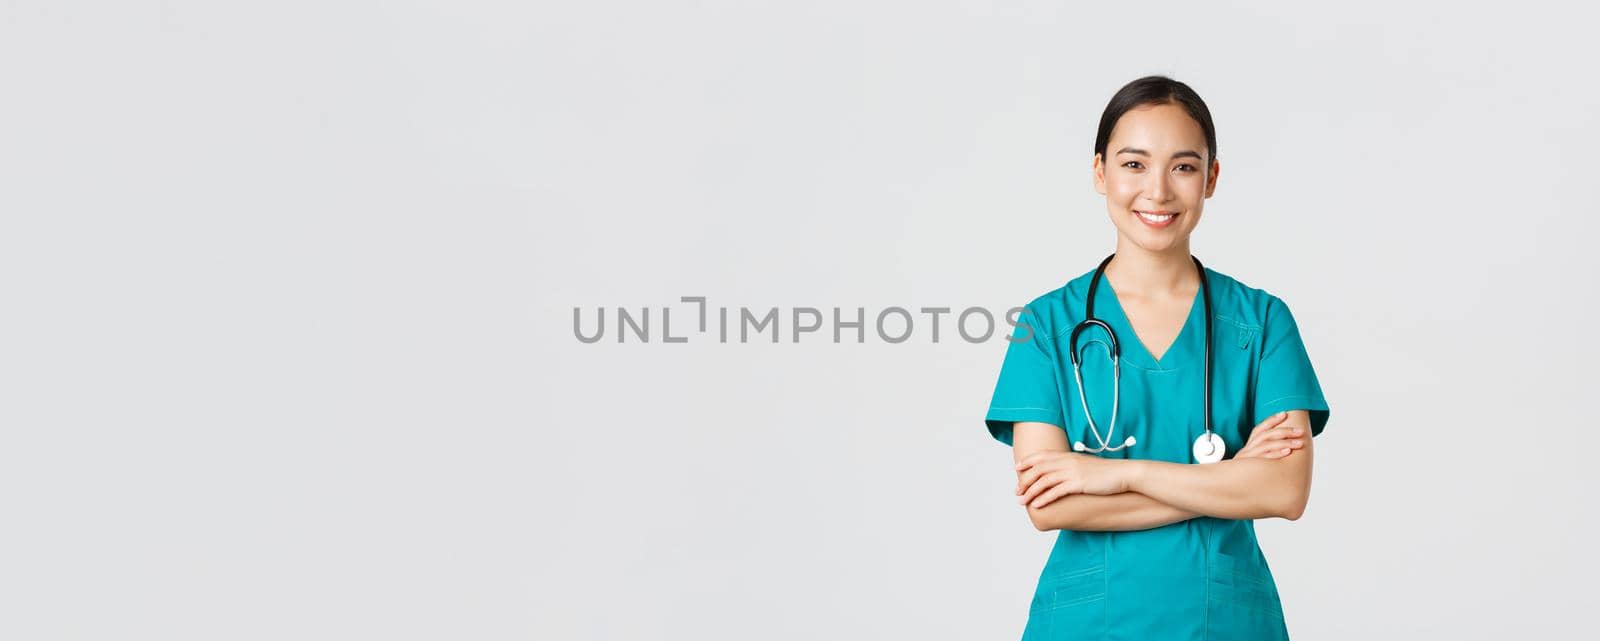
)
(1077, 602)
(1046, 409)
(1035, 333)
(1245, 330)
(1252, 600)
(1210, 567)
(1252, 577)
(1072, 575)
(1105, 556)
(1241, 572)
(1285, 398)
(1244, 603)
(1236, 322)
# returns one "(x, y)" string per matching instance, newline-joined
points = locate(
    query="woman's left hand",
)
(1043, 477)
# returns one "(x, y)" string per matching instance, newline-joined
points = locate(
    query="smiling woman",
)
(1174, 137)
(1152, 545)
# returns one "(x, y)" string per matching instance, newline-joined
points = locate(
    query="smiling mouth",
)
(1156, 218)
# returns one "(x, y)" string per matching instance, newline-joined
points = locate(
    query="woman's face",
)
(1154, 178)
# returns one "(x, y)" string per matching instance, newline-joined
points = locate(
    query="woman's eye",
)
(1131, 162)
(1189, 167)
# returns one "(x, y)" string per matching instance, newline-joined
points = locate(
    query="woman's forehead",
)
(1156, 127)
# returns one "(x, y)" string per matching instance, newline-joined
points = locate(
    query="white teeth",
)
(1153, 218)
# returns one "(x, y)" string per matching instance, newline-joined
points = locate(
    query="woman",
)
(1157, 539)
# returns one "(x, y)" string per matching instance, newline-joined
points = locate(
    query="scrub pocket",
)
(1243, 601)
(1069, 605)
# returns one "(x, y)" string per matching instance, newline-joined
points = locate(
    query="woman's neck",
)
(1145, 273)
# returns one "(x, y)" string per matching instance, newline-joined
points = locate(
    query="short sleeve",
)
(1284, 378)
(1026, 389)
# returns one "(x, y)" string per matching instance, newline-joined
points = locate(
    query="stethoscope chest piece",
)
(1209, 448)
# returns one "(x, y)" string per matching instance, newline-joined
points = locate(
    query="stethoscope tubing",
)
(1115, 350)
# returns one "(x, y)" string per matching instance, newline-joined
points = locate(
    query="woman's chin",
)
(1157, 243)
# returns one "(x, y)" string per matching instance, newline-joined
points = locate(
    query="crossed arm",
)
(1135, 494)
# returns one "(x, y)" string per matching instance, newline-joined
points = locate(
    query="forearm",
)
(1251, 488)
(1112, 512)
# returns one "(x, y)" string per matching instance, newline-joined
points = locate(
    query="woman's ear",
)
(1211, 180)
(1099, 175)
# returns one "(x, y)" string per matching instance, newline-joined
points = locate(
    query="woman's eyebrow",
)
(1187, 153)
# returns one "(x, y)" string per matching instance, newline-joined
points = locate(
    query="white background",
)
(288, 293)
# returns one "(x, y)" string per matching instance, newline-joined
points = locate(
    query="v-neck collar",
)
(1134, 352)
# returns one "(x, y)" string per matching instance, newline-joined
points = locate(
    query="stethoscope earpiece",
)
(1079, 447)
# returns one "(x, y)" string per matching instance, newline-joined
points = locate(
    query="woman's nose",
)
(1157, 188)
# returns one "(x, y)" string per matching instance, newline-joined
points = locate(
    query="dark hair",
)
(1156, 90)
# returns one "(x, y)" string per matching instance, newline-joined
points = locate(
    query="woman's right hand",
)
(1272, 440)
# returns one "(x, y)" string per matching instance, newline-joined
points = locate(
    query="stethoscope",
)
(1209, 447)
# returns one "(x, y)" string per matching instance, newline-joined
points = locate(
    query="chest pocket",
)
(1237, 347)
(1245, 335)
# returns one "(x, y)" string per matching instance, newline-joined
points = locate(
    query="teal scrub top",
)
(1203, 578)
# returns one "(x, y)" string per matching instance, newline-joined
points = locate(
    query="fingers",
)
(1276, 434)
(1271, 422)
(1026, 472)
(1026, 479)
(1265, 439)
(1060, 490)
(1266, 452)
(1030, 467)
(1277, 447)
(1038, 487)
(1048, 483)
(1046, 490)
